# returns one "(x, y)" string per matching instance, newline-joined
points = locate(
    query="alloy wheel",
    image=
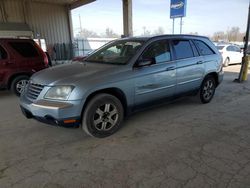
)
(208, 89)
(105, 117)
(20, 85)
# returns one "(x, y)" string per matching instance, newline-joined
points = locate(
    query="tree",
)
(233, 33)
(219, 36)
(145, 31)
(159, 31)
(193, 33)
(87, 33)
(109, 33)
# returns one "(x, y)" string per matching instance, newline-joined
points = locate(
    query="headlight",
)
(59, 92)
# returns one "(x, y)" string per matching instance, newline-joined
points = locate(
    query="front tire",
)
(207, 89)
(103, 116)
(18, 84)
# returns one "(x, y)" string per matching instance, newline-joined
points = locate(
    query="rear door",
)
(157, 80)
(231, 54)
(211, 59)
(190, 66)
(238, 54)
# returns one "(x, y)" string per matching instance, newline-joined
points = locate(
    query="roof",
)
(142, 38)
(72, 3)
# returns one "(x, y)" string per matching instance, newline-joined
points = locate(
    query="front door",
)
(157, 79)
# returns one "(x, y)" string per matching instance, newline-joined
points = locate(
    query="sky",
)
(202, 16)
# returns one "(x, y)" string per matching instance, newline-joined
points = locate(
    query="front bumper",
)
(66, 113)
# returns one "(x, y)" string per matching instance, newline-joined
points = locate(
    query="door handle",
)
(170, 68)
(200, 62)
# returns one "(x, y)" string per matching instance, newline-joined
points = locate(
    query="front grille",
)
(34, 91)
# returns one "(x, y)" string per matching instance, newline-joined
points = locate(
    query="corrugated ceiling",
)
(57, 1)
(72, 3)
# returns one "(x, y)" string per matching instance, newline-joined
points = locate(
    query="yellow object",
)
(245, 62)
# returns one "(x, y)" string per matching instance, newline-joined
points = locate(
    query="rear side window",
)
(25, 49)
(3, 53)
(237, 49)
(203, 48)
(182, 49)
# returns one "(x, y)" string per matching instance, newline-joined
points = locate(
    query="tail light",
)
(45, 57)
(45, 60)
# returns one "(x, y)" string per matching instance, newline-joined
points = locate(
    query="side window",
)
(203, 48)
(194, 49)
(25, 49)
(230, 48)
(3, 53)
(237, 49)
(159, 51)
(182, 49)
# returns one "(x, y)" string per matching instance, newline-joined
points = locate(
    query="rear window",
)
(3, 53)
(203, 48)
(220, 47)
(182, 49)
(25, 49)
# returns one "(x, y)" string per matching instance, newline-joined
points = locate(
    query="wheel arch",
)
(215, 76)
(12, 77)
(112, 91)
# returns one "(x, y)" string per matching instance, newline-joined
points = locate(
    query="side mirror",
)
(145, 62)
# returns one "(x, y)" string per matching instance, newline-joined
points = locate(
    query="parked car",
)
(122, 77)
(19, 59)
(231, 54)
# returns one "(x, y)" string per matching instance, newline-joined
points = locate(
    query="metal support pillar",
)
(127, 18)
(245, 59)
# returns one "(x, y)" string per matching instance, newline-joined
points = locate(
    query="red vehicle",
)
(19, 59)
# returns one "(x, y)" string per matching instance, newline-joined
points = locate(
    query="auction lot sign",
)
(177, 8)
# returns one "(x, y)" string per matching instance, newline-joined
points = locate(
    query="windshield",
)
(220, 47)
(117, 52)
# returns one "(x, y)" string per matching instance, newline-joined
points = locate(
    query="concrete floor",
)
(183, 144)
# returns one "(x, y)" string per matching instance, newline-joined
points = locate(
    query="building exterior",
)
(40, 19)
(49, 20)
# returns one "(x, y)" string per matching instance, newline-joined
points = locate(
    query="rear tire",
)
(207, 89)
(102, 116)
(18, 84)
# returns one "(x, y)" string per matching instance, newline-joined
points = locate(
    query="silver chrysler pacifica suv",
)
(121, 77)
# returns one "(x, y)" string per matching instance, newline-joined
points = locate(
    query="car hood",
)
(73, 72)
